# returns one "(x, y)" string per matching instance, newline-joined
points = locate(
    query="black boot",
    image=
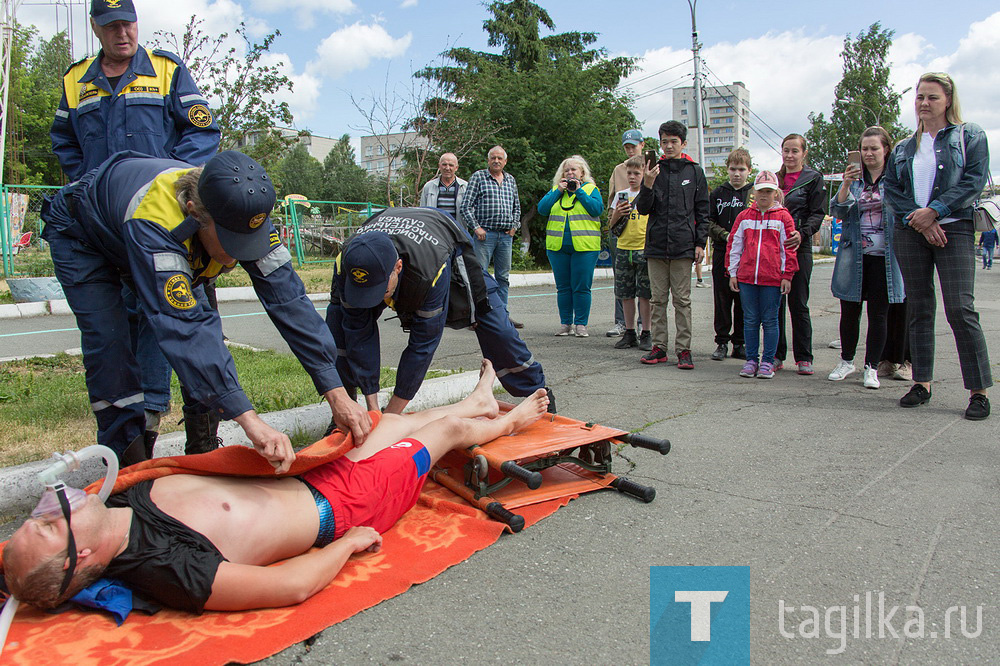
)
(135, 452)
(149, 441)
(202, 432)
(740, 352)
(552, 401)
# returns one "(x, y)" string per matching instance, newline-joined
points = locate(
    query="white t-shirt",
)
(924, 172)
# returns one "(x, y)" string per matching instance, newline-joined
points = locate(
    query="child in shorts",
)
(631, 274)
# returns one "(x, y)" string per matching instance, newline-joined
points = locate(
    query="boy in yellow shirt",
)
(631, 276)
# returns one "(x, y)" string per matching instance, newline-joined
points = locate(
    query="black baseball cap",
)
(367, 262)
(106, 11)
(239, 196)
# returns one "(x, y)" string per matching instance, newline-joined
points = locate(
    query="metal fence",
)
(313, 231)
(24, 252)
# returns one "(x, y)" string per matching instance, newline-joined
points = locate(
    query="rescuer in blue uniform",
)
(420, 263)
(163, 228)
(132, 98)
(129, 98)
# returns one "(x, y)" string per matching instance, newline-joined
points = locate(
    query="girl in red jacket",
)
(761, 269)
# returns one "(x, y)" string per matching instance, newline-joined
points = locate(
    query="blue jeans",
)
(760, 309)
(574, 274)
(496, 248)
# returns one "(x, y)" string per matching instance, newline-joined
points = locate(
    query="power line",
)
(731, 91)
(649, 76)
(754, 129)
(662, 88)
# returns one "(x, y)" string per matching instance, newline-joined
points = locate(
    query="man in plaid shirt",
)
(492, 211)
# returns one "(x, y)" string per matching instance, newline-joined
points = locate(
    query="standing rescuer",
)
(164, 227)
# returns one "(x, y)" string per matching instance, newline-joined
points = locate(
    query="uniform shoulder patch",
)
(168, 54)
(200, 116)
(177, 291)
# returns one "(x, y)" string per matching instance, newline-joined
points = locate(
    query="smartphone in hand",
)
(651, 159)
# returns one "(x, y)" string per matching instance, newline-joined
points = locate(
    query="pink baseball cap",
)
(766, 180)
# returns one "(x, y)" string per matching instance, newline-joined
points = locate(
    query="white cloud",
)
(304, 9)
(792, 73)
(306, 88)
(405, 4)
(354, 47)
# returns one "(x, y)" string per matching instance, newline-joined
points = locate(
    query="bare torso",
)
(250, 520)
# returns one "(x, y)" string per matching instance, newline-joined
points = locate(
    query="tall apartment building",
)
(726, 111)
(376, 152)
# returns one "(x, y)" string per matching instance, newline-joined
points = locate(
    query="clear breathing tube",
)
(49, 502)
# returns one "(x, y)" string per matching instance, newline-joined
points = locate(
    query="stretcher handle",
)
(647, 442)
(646, 493)
(531, 479)
(496, 511)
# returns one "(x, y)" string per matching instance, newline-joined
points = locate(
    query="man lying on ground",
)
(201, 542)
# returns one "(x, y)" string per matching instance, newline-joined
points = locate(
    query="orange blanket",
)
(441, 531)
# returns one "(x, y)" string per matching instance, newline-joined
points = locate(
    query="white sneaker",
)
(843, 369)
(834, 344)
(871, 377)
(581, 331)
(564, 329)
(904, 372)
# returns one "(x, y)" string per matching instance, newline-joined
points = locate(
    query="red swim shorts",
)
(374, 492)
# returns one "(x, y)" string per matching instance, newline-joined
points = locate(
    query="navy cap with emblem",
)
(239, 196)
(367, 262)
(106, 11)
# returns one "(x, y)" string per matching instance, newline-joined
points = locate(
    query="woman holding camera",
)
(573, 240)
(932, 180)
(866, 268)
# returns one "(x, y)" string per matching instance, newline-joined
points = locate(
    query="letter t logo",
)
(701, 606)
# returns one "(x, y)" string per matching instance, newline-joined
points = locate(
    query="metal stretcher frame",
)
(554, 457)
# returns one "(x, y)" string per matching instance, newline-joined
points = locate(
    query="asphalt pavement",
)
(828, 492)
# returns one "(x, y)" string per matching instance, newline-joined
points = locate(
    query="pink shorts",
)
(374, 492)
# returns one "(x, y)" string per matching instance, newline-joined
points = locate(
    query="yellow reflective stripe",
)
(440, 270)
(159, 205)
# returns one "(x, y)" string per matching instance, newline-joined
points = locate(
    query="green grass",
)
(44, 405)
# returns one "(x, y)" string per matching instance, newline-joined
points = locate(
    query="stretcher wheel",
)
(512, 520)
(531, 479)
(480, 467)
(645, 493)
(647, 442)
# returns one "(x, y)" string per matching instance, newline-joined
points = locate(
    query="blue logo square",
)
(699, 615)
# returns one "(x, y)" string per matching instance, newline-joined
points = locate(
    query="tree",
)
(862, 98)
(343, 179)
(543, 98)
(299, 173)
(241, 89)
(35, 90)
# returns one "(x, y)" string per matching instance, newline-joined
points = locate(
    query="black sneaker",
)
(916, 396)
(720, 352)
(740, 352)
(979, 407)
(655, 355)
(684, 360)
(628, 339)
(645, 341)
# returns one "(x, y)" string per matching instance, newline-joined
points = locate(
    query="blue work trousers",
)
(518, 371)
(153, 366)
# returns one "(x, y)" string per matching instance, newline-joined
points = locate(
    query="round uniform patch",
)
(257, 220)
(177, 291)
(359, 275)
(200, 116)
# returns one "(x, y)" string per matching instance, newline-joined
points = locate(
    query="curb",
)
(20, 490)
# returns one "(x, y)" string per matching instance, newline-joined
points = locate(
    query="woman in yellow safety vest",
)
(573, 240)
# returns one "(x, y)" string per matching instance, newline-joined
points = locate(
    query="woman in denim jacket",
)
(866, 268)
(931, 182)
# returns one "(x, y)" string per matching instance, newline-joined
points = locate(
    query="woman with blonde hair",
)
(573, 240)
(932, 180)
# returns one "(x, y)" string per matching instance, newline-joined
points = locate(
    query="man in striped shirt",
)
(492, 211)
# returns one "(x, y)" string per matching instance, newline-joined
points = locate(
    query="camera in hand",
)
(572, 184)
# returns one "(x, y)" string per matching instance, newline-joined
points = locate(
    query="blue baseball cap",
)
(239, 196)
(367, 262)
(105, 11)
(632, 136)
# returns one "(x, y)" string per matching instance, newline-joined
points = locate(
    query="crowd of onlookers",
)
(906, 211)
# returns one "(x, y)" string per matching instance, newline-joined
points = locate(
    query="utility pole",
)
(696, 50)
(6, 44)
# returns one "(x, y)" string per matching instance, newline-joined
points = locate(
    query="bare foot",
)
(482, 396)
(528, 411)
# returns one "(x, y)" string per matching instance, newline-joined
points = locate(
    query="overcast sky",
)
(790, 61)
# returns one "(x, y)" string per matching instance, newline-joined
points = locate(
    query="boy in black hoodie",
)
(674, 194)
(725, 203)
